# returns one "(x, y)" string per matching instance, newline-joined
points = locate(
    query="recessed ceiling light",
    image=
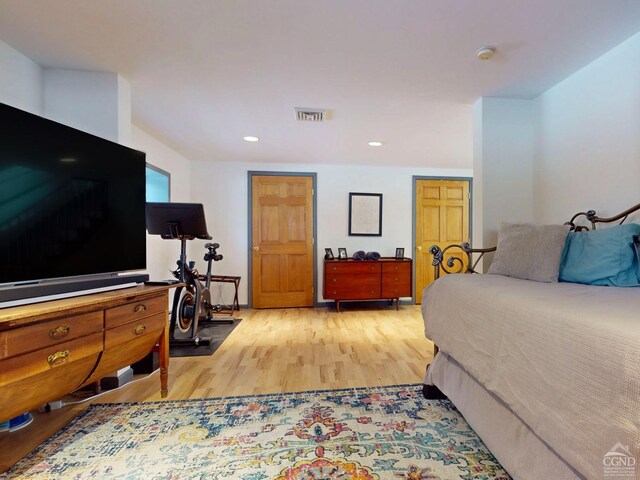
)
(375, 143)
(251, 139)
(68, 160)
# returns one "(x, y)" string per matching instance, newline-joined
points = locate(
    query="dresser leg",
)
(164, 362)
(338, 306)
(397, 304)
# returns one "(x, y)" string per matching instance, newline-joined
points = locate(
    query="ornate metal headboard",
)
(592, 217)
(455, 264)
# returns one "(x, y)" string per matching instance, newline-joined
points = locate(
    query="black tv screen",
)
(71, 203)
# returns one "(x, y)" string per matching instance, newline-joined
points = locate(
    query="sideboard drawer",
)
(135, 329)
(53, 357)
(34, 391)
(131, 311)
(33, 337)
(346, 266)
(128, 343)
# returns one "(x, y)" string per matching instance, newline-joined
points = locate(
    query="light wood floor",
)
(273, 351)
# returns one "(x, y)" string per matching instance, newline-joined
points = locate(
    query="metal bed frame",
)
(474, 255)
(456, 264)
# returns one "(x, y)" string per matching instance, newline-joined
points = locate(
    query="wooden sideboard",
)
(51, 348)
(384, 279)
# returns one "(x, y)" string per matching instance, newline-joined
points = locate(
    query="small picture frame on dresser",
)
(399, 253)
(342, 253)
(328, 254)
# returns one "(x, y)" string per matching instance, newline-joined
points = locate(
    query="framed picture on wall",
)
(365, 214)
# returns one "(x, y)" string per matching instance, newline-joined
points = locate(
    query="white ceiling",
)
(206, 73)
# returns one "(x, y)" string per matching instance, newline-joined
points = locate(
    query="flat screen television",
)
(72, 204)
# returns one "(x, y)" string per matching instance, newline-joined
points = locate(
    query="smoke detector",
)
(485, 53)
(310, 114)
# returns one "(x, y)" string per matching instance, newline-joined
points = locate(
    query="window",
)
(158, 184)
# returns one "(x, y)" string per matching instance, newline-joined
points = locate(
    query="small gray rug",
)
(216, 332)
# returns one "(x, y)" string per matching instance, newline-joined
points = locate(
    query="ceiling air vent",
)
(310, 114)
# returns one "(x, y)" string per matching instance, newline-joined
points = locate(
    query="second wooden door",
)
(282, 241)
(442, 218)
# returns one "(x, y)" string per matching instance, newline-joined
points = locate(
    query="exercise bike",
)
(192, 302)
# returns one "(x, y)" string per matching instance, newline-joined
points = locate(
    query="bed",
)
(547, 374)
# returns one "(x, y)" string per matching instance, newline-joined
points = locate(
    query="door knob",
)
(256, 248)
(419, 248)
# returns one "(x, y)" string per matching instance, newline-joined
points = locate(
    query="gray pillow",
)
(530, 252)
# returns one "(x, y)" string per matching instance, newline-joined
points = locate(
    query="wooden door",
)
(442, 218)
(282, 241)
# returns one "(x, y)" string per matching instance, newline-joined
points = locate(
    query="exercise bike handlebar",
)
(212, 254)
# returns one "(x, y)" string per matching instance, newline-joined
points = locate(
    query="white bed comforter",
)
(564, 357)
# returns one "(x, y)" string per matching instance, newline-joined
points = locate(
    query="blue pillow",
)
(636, 246)
(602, 257)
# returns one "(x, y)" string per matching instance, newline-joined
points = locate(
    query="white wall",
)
(124, 111)
(223, 189)
(588, 138)
(89, 101)
(20, 80)
(503, 165)
(478, 179)
(162, 254)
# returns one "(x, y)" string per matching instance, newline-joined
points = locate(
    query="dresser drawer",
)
(390, 279)
(46, 359)
(402, 268)
(34, 337)
(131, 311)
(353, 267)
(396, 291)
(355, 280)
(353, 293)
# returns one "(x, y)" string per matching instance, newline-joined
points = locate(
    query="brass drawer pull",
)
(139, 329)
(60, 331)
(58, 358)
(140, 308)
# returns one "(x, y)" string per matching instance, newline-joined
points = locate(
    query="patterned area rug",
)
(363, 434)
